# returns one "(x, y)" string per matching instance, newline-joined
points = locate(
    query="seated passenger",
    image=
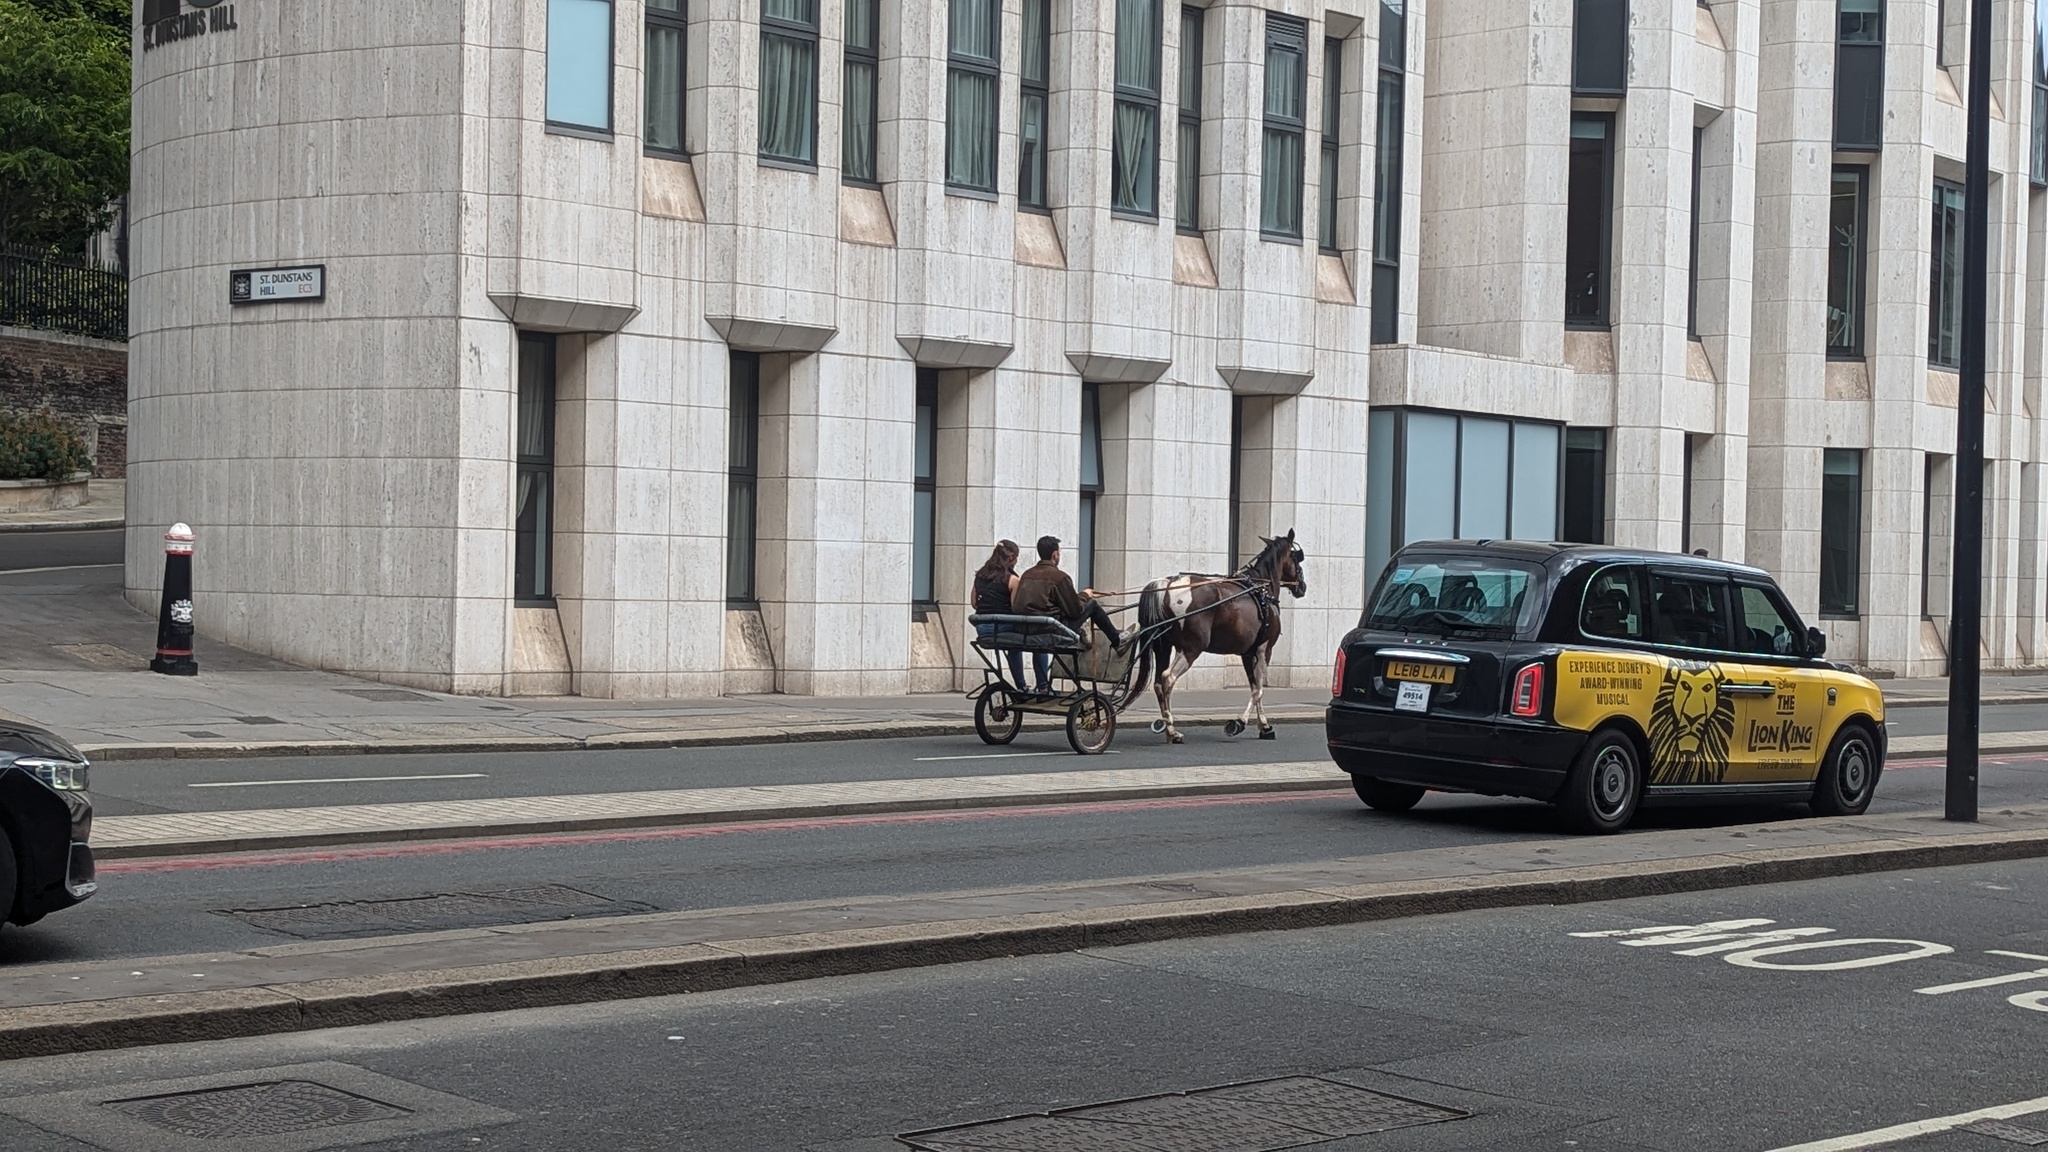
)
(1044, 590)
(993, 584)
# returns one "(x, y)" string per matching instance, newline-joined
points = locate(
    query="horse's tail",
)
(1154, 614)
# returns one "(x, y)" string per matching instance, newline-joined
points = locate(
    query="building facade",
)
(678, 347)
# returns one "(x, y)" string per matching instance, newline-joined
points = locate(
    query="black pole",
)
(174, 611)
(1967, 606)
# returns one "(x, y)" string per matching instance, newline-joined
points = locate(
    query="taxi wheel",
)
(1848, 777)
(7, 876)
(1384, 796)
(1602, 789)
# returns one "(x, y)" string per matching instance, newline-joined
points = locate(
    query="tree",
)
(63, 118)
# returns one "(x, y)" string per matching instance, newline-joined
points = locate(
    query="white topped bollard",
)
(174, 618)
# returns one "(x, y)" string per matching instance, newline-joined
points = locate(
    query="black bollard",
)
(174, 619)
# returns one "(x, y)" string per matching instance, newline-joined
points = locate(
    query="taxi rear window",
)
(1456, 595)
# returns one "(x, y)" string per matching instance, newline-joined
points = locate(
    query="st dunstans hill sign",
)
(164, 21)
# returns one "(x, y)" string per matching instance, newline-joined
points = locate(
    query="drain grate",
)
(386, 695)
(432, 913)
(1261, 1116)
(268, 1108)
(2010, 1133)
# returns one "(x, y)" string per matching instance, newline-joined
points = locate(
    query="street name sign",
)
(277, 285)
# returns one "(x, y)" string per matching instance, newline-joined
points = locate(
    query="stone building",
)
(677, 347)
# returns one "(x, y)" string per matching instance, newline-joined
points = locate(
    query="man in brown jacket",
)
(1044, 590)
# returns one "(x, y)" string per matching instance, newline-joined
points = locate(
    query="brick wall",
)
(84, 381)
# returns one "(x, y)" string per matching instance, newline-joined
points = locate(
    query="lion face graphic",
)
(1691, 725)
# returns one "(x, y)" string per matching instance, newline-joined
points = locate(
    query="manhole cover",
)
(431, 913)
(2010, 1133)
(270, 1108)
(386, 695)
(1261, 1116)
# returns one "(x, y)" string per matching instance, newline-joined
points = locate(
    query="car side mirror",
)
(1816, 643)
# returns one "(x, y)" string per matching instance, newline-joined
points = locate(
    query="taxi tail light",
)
(1337, 679)
(1527, 699)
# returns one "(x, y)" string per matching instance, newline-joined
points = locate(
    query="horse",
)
(1238, 615)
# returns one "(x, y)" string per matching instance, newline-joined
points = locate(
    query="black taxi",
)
(46, 860)
(1598, 679)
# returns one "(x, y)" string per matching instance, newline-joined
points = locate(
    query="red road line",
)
(417, 848)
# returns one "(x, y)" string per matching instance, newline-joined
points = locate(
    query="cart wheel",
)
(1233, 727)
(997, 719)
(1091, 724)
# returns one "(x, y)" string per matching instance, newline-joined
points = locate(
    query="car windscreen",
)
(1456, 595)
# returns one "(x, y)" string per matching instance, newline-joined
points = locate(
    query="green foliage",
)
(36, 446)
(63, 118)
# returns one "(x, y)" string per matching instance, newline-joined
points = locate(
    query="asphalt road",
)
(96, 546)
(157, 906)
(1521, 1030)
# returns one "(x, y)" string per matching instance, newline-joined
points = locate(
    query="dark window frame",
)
(792, 30)
(539, 588)
(1600, 62)
(1090, 492)
(743, 385)
(1389, 163)
(852, 54)
(926, 398)
(1601, 318)
(1599, 454)
(1234, 550)
(679, 21)
(1188, 165)
(1948, 210)
(1692, 266)
(606, 130)
(1121, 94)
(1838, 609)
(1855, 282)
(1859, 81)
(2037, 131)
(1638, 588)
(1039, 198)
(1285, 33)
(1329, 146)
(992, 68)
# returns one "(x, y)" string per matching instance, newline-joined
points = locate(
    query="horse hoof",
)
(1268, 734)
(1233, 727)
(1158, 726)
(1175, 738)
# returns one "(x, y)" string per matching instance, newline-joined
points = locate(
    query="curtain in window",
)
(1280, 183)
(1137, 42)
(664, 85)
(1133, 157)
(974, 28)
(970, 129)
(789, 70)
(857, 148)
(1188, 177)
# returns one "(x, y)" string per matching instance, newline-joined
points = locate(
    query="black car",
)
(1600, 679)
(45, 824)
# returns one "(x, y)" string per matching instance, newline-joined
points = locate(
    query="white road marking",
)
(1002, 756)
(2032, 1001)
(1915, 950)
(1986, 982)
(335, 780)
(58, 568)
(1877, 1137)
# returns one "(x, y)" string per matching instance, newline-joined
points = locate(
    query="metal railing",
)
(42, 289)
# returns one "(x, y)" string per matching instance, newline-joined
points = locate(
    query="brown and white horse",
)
(1239, 616)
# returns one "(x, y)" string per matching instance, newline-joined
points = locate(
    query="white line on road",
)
(58, 568)
(1898, 1132)
(1002, 756)
(335, 780)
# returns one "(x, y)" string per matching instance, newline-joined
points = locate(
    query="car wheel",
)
(7, 876)
(997, 719)
(1848, 777)
(1604, 785)
(1385, 796)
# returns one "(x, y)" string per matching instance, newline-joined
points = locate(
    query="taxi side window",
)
(1763, 628)
(1613, 608)
(1689, 611)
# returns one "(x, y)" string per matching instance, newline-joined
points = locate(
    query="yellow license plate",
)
(1420, 673)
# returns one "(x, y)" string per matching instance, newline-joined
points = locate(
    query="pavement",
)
(105, 507)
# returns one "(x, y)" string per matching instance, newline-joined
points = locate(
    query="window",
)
(2038, 130)
(1091, 485)
(1841, 530)
(1859, 75)
(1457, 595)
(1031, 103)
(1945, 295)
(1134, 137)
(1187, 207)
(1386, 181)
(973, 47)
(1286, 94)
(1763, 627)
(1445, 476)
(743, 461)
(1236, 550)
(862, 62)
(1692, 260)
(579, 87)
(533, 531)
(1600, 48)
(664, 79)
(1613, 608)
(1689, 611)
(924, 492)
(1585, 486)
(1685, 496)
(789, 80)
(1589, 220)
(1333, 119)
(1848, 214)
(1935, 505)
